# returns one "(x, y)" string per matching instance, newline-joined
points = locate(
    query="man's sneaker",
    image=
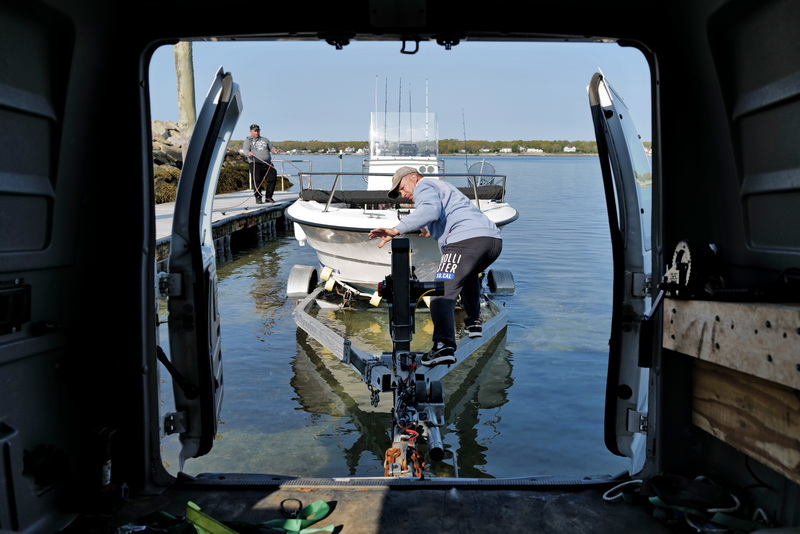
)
(473, 330)
(440, 353)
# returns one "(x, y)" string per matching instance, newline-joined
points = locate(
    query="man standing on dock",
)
(259, 152)
(469, 242)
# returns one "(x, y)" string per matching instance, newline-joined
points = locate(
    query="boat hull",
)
(357, 260)
(340, 237)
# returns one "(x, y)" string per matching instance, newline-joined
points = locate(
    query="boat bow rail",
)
(329, 188)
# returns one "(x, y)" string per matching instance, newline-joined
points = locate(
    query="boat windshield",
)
(408, 134)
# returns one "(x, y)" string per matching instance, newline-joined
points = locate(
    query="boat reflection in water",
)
(326, 386)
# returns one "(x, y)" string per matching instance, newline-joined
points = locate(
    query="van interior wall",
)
(66, 367)
(115, 379)
(96, 273)
(723, 108)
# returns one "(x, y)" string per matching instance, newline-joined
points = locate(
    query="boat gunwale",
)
(373, 220)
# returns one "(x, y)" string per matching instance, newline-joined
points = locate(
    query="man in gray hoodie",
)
(469, 241)
(259, 152)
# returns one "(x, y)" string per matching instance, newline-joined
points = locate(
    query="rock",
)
(168, 147)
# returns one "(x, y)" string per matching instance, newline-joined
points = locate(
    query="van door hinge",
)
(637, 422)
(170, 284)
(174, 423)
(641, 284)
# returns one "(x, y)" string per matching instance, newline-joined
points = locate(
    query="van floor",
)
(387, 510)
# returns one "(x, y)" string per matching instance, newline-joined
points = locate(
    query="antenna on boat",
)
(464, 124)
(426, 116)
(410, 117)
(399, 110)
(385, 109)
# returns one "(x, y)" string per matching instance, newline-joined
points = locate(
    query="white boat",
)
(336, 211)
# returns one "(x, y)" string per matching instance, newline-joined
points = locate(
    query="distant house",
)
(570, 149)
(505, 150)
(535, 151)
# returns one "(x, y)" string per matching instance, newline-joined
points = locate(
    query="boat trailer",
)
(418, 397)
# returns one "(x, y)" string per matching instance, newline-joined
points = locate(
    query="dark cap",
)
(255, 127)
(399, 174)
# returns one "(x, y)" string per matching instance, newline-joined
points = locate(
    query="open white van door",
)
(627, 176)
(194, 321)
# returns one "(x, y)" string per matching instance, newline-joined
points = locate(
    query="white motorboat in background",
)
(336, 211)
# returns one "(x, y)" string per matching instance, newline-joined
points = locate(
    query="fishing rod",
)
(426, 118)
(410, 117)
(399, 109)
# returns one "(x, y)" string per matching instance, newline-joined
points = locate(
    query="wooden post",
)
(184, 73)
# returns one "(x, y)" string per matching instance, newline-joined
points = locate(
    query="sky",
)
(302, 91)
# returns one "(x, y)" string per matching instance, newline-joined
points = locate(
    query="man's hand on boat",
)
(386, 234)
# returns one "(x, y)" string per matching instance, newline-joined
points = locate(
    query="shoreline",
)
(456, 155)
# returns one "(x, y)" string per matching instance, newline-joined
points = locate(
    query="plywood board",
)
(755, 416)
(758, 339)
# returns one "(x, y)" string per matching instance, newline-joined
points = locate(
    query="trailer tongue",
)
(417, 392)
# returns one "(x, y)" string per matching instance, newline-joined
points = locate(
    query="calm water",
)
(531, 403)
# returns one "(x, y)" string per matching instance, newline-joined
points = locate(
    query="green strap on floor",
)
(203, 523)
(718, 518)
(307, 516)
(737, 523)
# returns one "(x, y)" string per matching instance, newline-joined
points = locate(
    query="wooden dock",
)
(234, 215)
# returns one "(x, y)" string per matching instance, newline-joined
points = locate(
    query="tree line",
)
(455, 146)
(446, 146)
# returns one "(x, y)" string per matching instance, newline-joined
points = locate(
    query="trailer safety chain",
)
(390, 458)
(374, 395)
(348, 295)
(419, 462)
(394, 460)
